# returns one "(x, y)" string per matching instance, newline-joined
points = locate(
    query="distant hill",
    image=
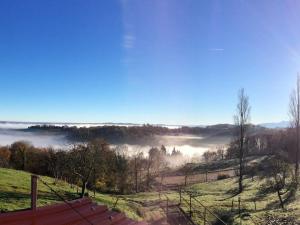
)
(146, 134)
(282, 124)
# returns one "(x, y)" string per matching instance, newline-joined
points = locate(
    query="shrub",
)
(223, 176)
(4, 157)
(225, 216)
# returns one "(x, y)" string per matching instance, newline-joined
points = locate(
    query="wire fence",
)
(65, 201)
(194, 210)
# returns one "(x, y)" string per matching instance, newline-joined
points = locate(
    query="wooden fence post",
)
(232, 206)
(167, 206)
(240, 210)
(239, 205)
(180, 196)
(204, 216)
(33, 191)
(190, 205)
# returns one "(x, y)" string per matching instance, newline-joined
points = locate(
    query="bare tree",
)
(187, 171)
(295, 122)
(137, 167)
(155, 165)
(56, 162)
(280, 174)
(83, 164)
(220, 152)
(88, 159)
(277, 173)
(242, 119)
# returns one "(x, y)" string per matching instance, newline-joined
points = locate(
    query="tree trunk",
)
(280, 199)
(83, 187)
(136, 175)
(296, 158)
(148, 178)
(24, 161)
(297, 131)
(241, 156)
(148, 175)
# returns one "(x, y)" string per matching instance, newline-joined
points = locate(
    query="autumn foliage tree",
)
(4, 156)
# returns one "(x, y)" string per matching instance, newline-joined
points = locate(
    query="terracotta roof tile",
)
(77, 212)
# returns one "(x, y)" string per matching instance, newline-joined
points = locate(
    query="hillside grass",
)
(218, 196)
(15, 194)
(225, 164)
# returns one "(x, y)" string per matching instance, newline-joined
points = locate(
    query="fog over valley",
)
(188, 145)
(41, 139)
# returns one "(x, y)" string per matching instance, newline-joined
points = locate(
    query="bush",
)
(4, 157)
(223, 176)
(225, 216)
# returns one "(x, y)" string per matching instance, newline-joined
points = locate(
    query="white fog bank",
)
(189, 145)
(43, 140)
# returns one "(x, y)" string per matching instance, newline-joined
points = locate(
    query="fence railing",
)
(196, 210)
(171, 206)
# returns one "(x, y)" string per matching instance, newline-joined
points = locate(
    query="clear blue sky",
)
(147, 61)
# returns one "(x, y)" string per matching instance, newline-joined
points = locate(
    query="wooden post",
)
(180, 196)
(255, 205)
(167, 206)
(33, 191)
(232, 206)
(206, 176)
(240, 206)
(190, 205)
(204, 216)
(240, 210)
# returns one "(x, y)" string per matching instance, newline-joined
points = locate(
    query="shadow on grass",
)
(8, 196)
(13, 201)
(50, 196)
(233, 192)
(291, 194)
(262, 192)
(11, 196)
(289, 198)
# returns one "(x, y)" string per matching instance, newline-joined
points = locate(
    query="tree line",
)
(94, 165)
(143, 135)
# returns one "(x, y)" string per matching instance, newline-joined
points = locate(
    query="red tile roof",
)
(77, 212)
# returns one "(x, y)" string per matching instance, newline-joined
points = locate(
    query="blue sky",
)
(147, 61)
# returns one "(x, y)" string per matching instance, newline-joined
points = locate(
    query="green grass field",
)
(15, 195)
(218, 196)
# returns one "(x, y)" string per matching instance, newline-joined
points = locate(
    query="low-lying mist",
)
(186, 150)
(41, 139)
(188, 153)
(190, 146)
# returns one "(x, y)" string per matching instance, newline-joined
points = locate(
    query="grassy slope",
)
(15, 193)
(218, 195)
